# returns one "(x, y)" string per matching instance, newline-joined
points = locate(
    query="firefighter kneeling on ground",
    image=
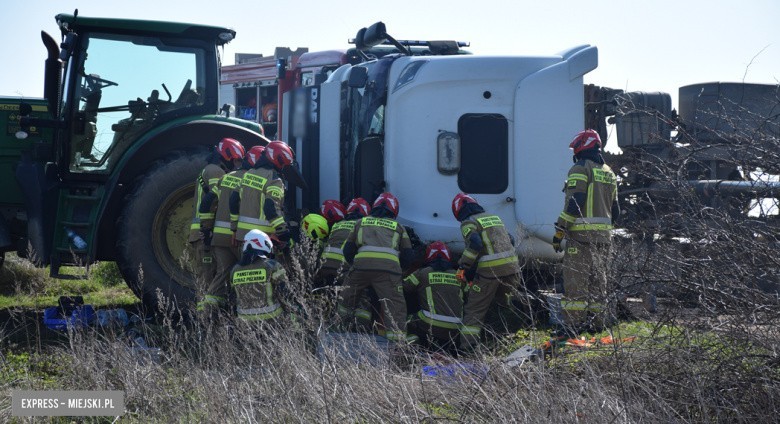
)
(489, 262)
(378, 249)
(440, 295)
(227, 156)
(586, 225)
(258, 280)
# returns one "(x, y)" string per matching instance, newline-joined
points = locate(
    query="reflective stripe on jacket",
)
(332, 254)
(379, 242)
(593, 220)
(206, 181)
(257, 185)
(496, 256)
(440, 294)
(256, 291)
(229, 183)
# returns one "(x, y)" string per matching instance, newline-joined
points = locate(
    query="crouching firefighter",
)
(440, 295)
(258, 280)
(489, 262)
(378, 248)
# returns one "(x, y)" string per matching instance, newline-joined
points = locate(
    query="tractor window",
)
(124, 86)
(484, 155)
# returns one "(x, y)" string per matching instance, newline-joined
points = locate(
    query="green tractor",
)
(110, 155)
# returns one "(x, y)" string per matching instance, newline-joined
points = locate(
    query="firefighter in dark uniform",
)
(258, 281)
(378, 249)
(586, 225)
(489, 263)
(440, 295)
(258, 205)
(224, 253)
(227, 156)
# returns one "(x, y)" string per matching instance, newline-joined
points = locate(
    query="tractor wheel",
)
(153, 231)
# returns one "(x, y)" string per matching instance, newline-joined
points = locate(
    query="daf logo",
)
(313, 105)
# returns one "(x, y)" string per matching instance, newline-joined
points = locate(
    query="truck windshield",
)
(122, 87)
(363, 135)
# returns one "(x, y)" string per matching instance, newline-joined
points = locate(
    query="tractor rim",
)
(170, 231)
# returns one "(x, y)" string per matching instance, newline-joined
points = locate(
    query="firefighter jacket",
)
(591, 193)
(259, 205)
(440, 294)
(380, 243)
(257, 287)
(488, 247)
(219, 205)
(207, 180)
(333, 253)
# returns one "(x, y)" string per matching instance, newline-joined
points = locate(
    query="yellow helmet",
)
(315, 226)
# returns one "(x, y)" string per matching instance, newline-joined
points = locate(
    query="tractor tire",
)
(152, 234)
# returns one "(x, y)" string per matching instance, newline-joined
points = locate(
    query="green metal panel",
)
(204, 32)
(11, 148)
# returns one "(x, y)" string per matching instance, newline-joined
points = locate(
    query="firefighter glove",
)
(461, 275)
(557, 239)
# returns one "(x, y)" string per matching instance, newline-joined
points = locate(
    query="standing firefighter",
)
(586, 224)
(489, 261)
(258, 205)
(227, 155)
(258, 280)
(378, 249)
(216, 204)
(440, 295)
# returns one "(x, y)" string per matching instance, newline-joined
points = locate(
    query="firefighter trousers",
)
(482, 293)
(391, 298)
(224, 260)
(204, 264)
(586, 296)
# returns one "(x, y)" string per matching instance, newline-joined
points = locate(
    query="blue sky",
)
(652, 45)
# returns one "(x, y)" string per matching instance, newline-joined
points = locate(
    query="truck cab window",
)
(484, 153)
(123, 86)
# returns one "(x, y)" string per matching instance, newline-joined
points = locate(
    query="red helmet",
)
(333, 211)
(460, 200)
(230, 149)
(254, 154)
(360, 206)
(279, 153)
(437, 250)
(585, 140)
(387, 200)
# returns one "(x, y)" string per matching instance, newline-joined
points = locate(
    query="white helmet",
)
(259, 241)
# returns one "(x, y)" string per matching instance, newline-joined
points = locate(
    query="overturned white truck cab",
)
(426, 126)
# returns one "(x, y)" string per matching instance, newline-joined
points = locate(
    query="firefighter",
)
(216, 204)
(258, 280)
(332, 269)
(227, 156)
(333, 255)
(258, 205)
(378, 248)
(333, 210)
(440, 295)
(489, 264)
(315, 227)
(586, 225)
